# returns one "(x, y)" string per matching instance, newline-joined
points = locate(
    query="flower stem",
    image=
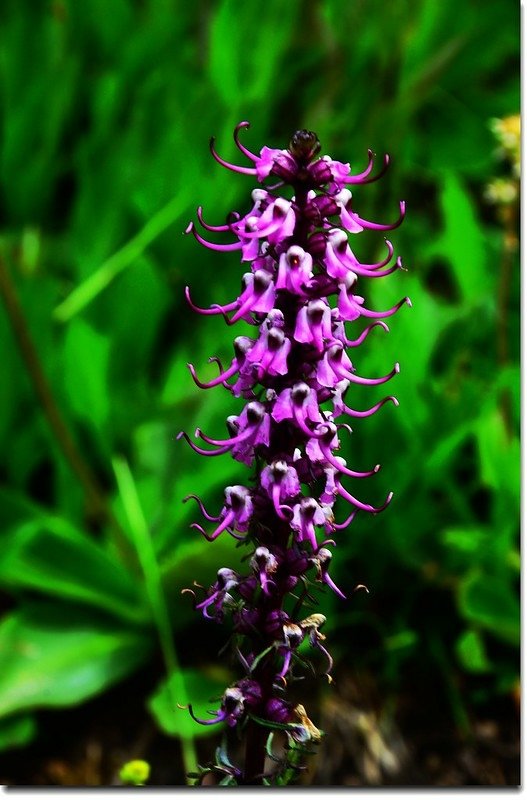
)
(254, 754)
(96, 506)
(148, 560)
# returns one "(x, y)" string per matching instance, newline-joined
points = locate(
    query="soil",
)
(409, 740)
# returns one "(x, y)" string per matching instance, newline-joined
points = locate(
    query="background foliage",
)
(107, 112)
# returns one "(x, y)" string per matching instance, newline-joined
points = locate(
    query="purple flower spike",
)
(300, 291)
(269, 354)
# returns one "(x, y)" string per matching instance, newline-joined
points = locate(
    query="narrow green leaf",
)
(261, 655)
(237, 70)
(269, 747)
(141, 538)
(277, 726)
(86, 292)
(228, 780)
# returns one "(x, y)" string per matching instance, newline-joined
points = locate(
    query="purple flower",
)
(235, 703)
(281, 483)
(306, 515)
(313, 324)
(301, 293)
(235, 514)
(219, 593)
(264, 563)
(295, 270)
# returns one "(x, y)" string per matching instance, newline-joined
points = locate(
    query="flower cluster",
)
(293, 375)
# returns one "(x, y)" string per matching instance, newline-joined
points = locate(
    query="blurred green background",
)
(107, 109)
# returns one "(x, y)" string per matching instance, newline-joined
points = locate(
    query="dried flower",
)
(293, 375)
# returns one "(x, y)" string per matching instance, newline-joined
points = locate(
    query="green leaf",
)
(467, 540)
(17, 731)
(86, 355)
(490, 602)
(204, 691)
(50, 556)
(462, 242)
(499, 454)
(241, 71)
(228, 780)
(413, 335)
(133, 250)
(276, 726)
(447, 448)
(401, 640)
(470, 650)
(53, 655)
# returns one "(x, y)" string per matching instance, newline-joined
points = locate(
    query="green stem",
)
(295, 757)
(96, 505)
(43, 391)
(147, 558)
(87, 291)
(454, 696)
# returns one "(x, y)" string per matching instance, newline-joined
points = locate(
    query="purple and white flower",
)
(301, 292)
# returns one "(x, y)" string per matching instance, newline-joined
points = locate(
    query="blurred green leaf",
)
(87, 291)
(49, 556)
(411, 341)
(471, 653)
(466, 540)
(462, 242)
(401, 640)
(499, 454)
(57, 656)
(236, 70)
(491, 603)
(204, 692)
(17, 730)
(86, 355)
